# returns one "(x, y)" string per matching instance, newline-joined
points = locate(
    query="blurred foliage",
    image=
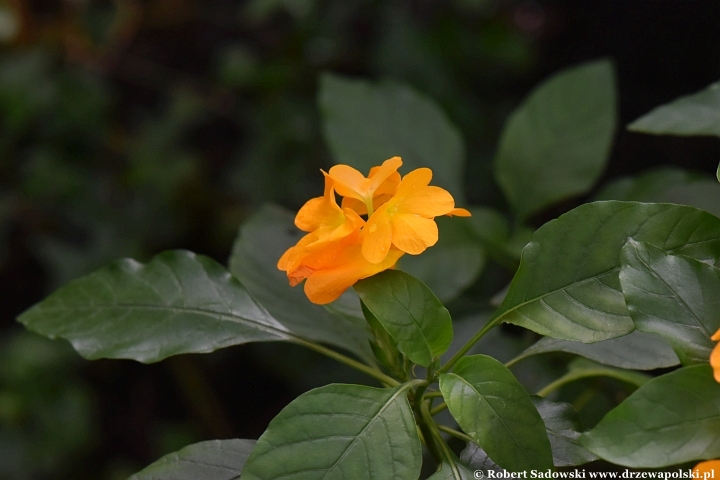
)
(129, 127)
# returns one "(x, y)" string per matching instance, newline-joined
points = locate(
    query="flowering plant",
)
(626, 285)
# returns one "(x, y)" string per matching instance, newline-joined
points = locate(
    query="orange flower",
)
(706, 469)
(367, 192)
(407, 219)
(715, 356)
(341, 248)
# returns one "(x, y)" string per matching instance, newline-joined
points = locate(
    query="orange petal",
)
(716, 336)
(319, 211)
(715, 362)
(377, 237)
(348, 181)
(427, 201)
(325, 286)
(413, 234)
(459, 212)
(709, 467)
(379, 175)
(354, 204)
(420, 177)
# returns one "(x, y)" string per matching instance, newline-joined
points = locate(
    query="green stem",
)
(455, 433)
(633, 378)
(446, 454)
(373, 372)
(433, 394)
(435, 410)
(460, 353)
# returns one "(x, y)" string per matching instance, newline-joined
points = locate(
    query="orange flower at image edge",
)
(706, 470)
(715, 356)
(342, 247)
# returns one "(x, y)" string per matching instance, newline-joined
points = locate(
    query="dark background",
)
(131, 127)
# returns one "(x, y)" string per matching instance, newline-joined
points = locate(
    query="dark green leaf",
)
(567, 285)
(696, 114)
(211, 460)
(556, 143)
(635, 351)
(340, 431)
(671, 419)
(563, 428)
(457, 251)
(674, 296)
(178, 303)
(261, 242)
(420, 325)
(477, 458)
(366, 123)
(494, 409)
(666, 185)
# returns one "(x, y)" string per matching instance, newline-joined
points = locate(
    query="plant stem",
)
(460, 353)
(373, 372)
(433, 394)
(435, 410)
(455, 433)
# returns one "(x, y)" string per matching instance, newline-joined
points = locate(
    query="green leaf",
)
(666, 185)
(672, 419)
(178, 303)
(340, 431)
(414, 317)
(556, 143)
(696, 114)
(563, 428)
(674, 296)
(567, 284)
(457, 251)
(211, 460)
(366, 123)
(634, 351)
(477, 458)
(260, 243)
(494, 409)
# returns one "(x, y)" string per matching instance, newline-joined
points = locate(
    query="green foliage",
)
(567, 284)
(556, 143)
(495, 410)
(674, 296)
(363, 123)
(636, 351)
(411, 314)
(211, 460)
(696, 114)
(656, 427)
(340, 431)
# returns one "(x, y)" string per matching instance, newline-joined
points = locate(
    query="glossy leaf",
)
(414, 317)
(457, 251)
(340, 431)
(635, 351)
(178, 303)
(365, 123)
(475, 457)
(563, 428)
(261, 241)
(674, 296)
(695, 114)
(672, 419)
(211, 460)
(494, 409)
(581, 368)
(556, 143)
(567, 284)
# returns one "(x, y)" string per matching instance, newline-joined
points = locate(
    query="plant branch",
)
(373, 372)
(455, 433)
(435, 410)
(470, 343)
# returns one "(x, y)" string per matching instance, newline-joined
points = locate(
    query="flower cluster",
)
(342, 247)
